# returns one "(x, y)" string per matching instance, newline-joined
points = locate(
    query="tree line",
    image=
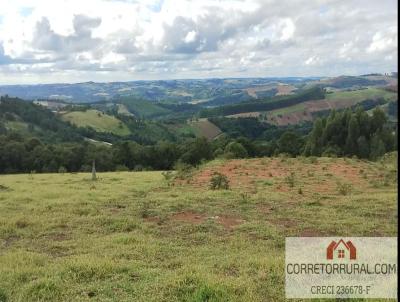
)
(342, 133)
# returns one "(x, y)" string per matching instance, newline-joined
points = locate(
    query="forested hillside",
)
(34, 139)
(267, 104)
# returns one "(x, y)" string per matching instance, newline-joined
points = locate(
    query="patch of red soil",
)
(228, 222)
(241, 173)
(154, 219)
(191, 217)
(57, 236)
(248, 174)
(346, 171)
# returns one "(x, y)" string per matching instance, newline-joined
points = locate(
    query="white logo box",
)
(341, 267)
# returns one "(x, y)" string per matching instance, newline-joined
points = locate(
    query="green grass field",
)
(143, 108)
(134, 236)
(362, 94)
(203, 127)
(17, 126)
(97, 120)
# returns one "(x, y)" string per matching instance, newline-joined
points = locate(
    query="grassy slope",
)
(22, 127)
(131, 237)
(143, 108)
(97, 120)
(203, 127)
(353, 97)
(359, 95)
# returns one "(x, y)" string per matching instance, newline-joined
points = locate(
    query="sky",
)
(69, 41)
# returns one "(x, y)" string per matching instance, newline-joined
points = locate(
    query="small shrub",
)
(219, 181)
(244, 197)
(300, 191)
(184, 171)
(21, 223)
(138, 168)
(62, 170)
(121, 168)
(145, 210)
(268, 183)
(313, 160)
(344, 188)
(290, 179)
(168, 176)
(4, 188)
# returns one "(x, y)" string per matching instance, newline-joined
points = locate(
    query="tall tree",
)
(353, 133)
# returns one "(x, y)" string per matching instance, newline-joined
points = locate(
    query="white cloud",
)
(191, 36)
(103, 40)
(288, 29)
(384, 40)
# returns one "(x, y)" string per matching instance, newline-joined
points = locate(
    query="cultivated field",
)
(142, 236)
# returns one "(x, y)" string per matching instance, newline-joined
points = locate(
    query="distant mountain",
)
(278, 101)
(211, 91)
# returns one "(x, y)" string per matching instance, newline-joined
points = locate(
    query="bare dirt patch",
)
(284, 89)
(190, 217)
(228, 222)
(307, 110)
(241, 173)
(58, 236)
(245, 114)
(271, 175)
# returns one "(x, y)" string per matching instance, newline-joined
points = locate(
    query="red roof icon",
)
(342, 249)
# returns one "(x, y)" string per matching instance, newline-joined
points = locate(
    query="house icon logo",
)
(341, 250)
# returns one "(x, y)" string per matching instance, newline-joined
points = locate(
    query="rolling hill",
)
(97, 120)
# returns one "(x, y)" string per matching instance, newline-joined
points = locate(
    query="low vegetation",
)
(97, 120)
(135, 237)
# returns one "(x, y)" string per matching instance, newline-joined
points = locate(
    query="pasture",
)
(146, 236)
(97, 120)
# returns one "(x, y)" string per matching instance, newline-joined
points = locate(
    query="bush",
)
(235, 150)
(219, 181)
(290, 180)
(218, 153)
(331, 151)
(168, 176)
(344, 188)
(138, 168)
(62, 170)
(86, 168)
(121, 168)
(313, 159)
(183, 170)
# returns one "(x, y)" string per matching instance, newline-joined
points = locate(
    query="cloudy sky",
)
(44, 41)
